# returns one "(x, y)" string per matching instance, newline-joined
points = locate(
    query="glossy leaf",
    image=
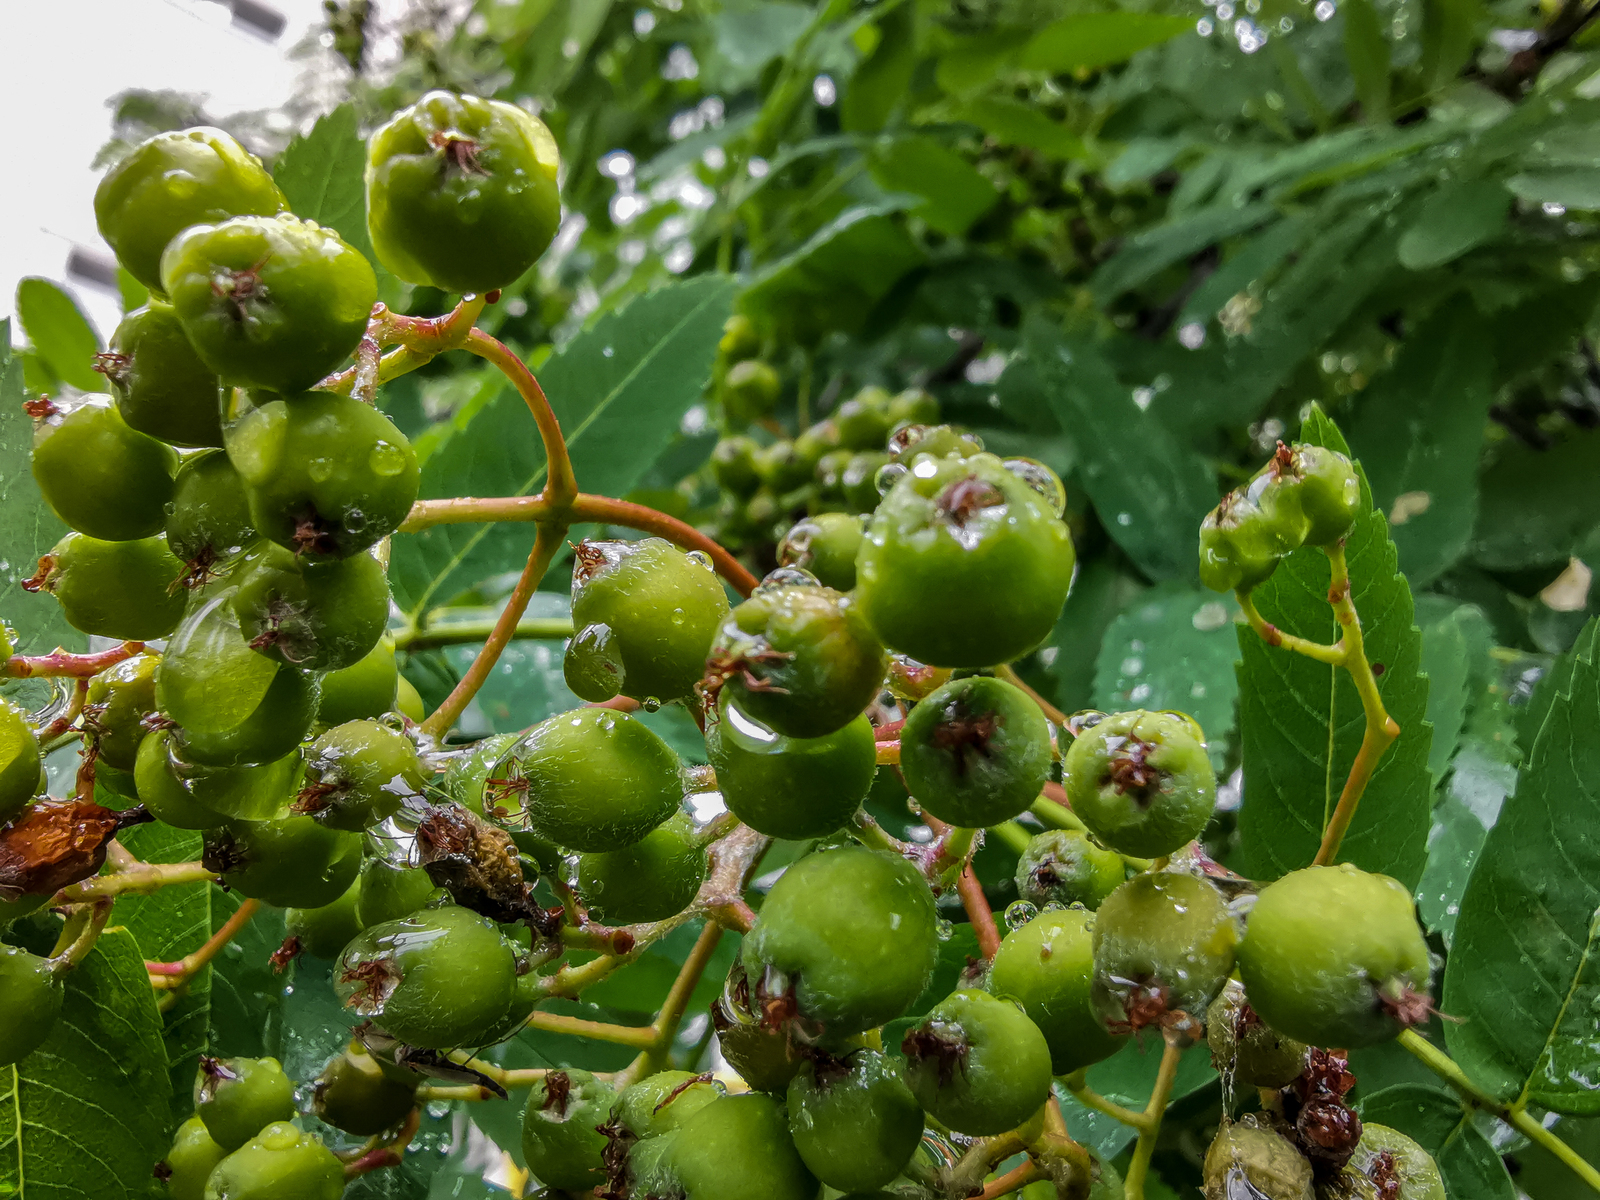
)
(320, 173)
(1098, 39)
(60, 333)
(1570, 189)
(1301, 721)
(954, 193)
(1148, 491)
(620, 390)
(86, 1113)
(1523, 975)
(1469, 1163)
(1419, 435)
(1455, 650)
(1174, 648)
(28, 528)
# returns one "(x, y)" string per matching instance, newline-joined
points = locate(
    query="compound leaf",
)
(1301, 721)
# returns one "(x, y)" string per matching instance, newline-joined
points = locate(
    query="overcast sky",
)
(59, 62)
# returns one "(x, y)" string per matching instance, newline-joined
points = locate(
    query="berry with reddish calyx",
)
(238, 1097)
(1064, 866)
(314, 616)
(1141, 781)
(764, 1053)
(359, 773)
(355, 1094)
(99, 475)
(290, 861)
(976, 752)
(978, 1064)
(854, 1121)
(561, 1136)
(1388, 1165)
(161, 386)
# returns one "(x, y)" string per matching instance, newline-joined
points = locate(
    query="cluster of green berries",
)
(1305, 496)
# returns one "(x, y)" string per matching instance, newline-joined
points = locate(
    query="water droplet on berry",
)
(320, 469)
(650, 704)
(1042, 480)
(788, 577)
(700, 559)
(888, 475)
(386, 459)
(1018, 913)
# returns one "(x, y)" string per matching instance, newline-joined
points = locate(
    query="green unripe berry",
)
(650, 880)
(1163, 947)
(210, 680)
(273, 728)
(1330, 493)
(659, 609)
(1047, 966)
(439, 978)
(749, 390)
(854, 1121)
(1141, 781)
(739, 1148)
(208, 519)
(187, 795)
(126, 590)
(359, 773)
(325, 932)
(863, 420)
(21, 765)
(194, 1155)
(388, 892)
(172, 181)
(978, 1064)
(825, 545)
(733, 465)
(859, 480)
(934, 441)
(100, 476)
(279, 1163)
(593, 779)
(1387, 1165)
(740, 338)
(764, 1054)
(790, 787)
(1250, 1158)
(780, 467)
(237, 1098)
(315, 616)
(291, 862)
(799, 659)
(354, 1094)
(1063, 866)
(119, 700)
(461, 192)
(913, 407)
(161, 386)
(471, 775)
(1244, 1048)
(367, 689)
(269, 302)
(327, 476)
(847, 937)
(31, 996)
(976, 751)
(1333, 956)
(963, 564)
(663, 1102)
(561, 1138)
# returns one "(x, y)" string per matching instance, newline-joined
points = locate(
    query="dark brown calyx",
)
(614, 1158)
(588, 559)
(213, 1074)
(557, 1091)
(201, 570)
(314, 535)
(683, 1087)
(965, 735)
(1145, 1003)
(285, 954)
(162, 1171)
(375, 980)
(315, 797)
(222, 853)
(238, 288)
(460, 152)
(724, 667)
(1327, 1130)
(1284, 461)
(962, 500)
(1385, 1175)
(475, 862)
(827, 1069)
(1406, 1005)
(947, 1049)
(1132, 774)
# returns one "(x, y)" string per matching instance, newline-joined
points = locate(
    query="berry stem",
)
(177, 974)
(1515, 1115)
(62, 722)
(1150, 1123)
(61, 663)
(1269, 633)
(1051, 712)
(561, 485)
(1013, 1180)
(1013, 835)
(389, 1153)
(1381, 728)
(421, 339)
(1052, 811)
(664, 1029)
(78, 936)
(621, 1035)
(545, 545)
(1089, 1098)
(143, 878)
(970, 888)
(458, 633)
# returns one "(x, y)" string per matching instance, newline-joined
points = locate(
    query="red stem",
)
(72, 666)
(561, 484)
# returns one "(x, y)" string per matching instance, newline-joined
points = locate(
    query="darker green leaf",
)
(1419, 436)
(1522, 976)
(1367, 51)
(1013, 123)
(1537, 505)
(620, 391)
(1301, 721)
(1148, 489)
(1455, 219)
(86, 1113)
(1099, 39)
(881, 82)
(321, 174)
(61, 335)
(954, 193)
(1435, 1120)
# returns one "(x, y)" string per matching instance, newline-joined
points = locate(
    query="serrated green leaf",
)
(1455, 219)
(1098, 39)
(1174, 648)
(1301, 721)
(1434, 1119)
(620, 391)
(168, 924)
(60, 333)
(247, 996)
(28, 528)
(320, 173)
(86, 1113)
(1523, 975)
(1149, 491)
(1153, 250)
(1537, 505)
(955, 193)
(1455, 646)
(1099, 592)
(1472, 800)
(1420, 433)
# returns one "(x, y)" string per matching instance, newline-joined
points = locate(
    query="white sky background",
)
(60, 60)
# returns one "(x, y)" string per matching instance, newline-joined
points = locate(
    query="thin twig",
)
(147, 877)
(463, 633)
(1150, 1127)
(61, 663)
(176, 974)
(561, 485)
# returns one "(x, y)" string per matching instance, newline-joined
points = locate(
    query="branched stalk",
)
(1273, 636)
(1013, 1180)
(177, 974)
(544, 550)
(63, 721)
(86, 927)
(386, 1154)
(1089, 1098)
(60, 663)
(1515, 1115)
(464, 633)
(144, 878)
(421, 339)
(1150, 1124)
(561, 485)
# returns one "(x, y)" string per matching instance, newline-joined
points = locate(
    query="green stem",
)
(1089, 1098)
(459, 633)
(1150, 1125)
(147, 877)
(1013, 835)
(1273, 636)
(1055, 815)
(1514, 1115)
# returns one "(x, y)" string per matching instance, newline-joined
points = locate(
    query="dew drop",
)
(1018, 913)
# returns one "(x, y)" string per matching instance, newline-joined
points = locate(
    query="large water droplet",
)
(1042, 480)
(1018, 913)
